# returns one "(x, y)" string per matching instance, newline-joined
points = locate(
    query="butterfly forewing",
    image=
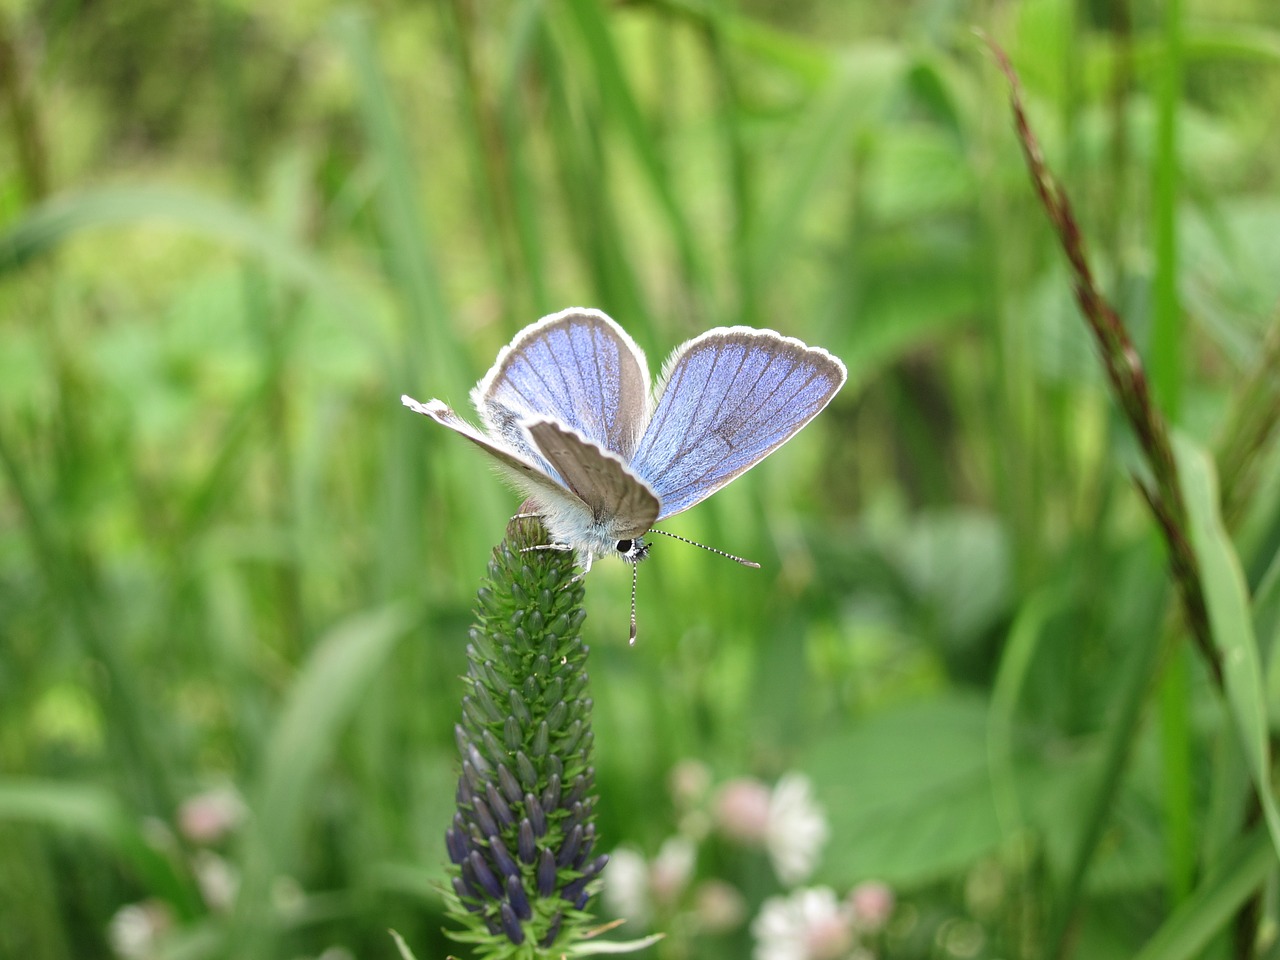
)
(621, 503)
(730, 398)
(576, 367)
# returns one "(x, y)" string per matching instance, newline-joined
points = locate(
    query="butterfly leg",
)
(585, 558)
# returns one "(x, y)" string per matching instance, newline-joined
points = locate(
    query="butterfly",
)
(568, 417)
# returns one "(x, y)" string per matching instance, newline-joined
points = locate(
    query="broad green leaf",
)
(908, 792)
(1226, 596)
(911, 795)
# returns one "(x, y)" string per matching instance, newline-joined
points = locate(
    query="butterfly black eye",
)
(633, 550)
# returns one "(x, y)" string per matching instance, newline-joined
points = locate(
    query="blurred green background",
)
(233, 567)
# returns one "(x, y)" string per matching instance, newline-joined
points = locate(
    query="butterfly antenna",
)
(635, 572)
(723, 553)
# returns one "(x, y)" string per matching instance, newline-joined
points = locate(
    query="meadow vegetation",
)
(236, 576)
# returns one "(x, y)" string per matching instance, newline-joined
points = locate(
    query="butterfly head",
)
(633, 550)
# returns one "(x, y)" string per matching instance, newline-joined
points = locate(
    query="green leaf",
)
(401, 946)
(908, 792)
(1230, 619)
(595, 948)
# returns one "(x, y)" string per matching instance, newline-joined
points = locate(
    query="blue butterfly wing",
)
(729, 398)
(530, 474)
(621, 504)
(577, 367)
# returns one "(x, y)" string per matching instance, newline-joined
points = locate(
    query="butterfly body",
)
(569, 419)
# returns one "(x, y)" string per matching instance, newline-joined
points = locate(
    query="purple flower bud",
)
(499, 806)
(511, 924)
(466, 893)
(537, 816)
(526, 843)
(488, 825)
(546, 873)
(569, 849)
(551, 794)
(518, 899)
(474, 778)
(477, 760)
(553, 931)
(455, 842)
(576, 892)
(510, 786)
(484, 876)
(588, 841)
(502, 858)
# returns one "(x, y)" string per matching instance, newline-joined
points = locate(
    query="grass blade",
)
(323, 698)
(1204, 915)
(1230, 620)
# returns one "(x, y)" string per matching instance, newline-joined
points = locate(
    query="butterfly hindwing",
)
(620, 502)
(728, 399)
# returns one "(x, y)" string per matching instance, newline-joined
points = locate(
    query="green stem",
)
(1167, 335)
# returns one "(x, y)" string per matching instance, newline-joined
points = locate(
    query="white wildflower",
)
(797, 829)
(810, 924)
(626, 886)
